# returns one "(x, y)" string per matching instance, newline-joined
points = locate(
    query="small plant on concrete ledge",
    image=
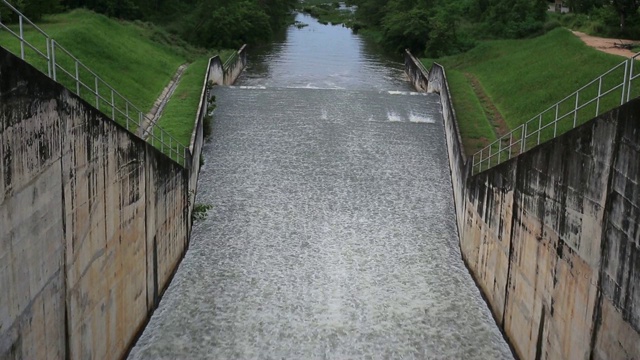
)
(200, 211)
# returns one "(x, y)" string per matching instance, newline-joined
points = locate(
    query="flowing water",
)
(332, 233)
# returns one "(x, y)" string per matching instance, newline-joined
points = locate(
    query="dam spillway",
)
(331, 235)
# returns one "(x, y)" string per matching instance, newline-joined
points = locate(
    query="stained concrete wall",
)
(218, 75)
(93, 222)
(552, 237)
(234, 70)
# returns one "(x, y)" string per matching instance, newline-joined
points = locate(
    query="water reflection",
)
(325, 57)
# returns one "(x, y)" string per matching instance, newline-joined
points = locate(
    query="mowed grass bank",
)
(137, 59)
(522, 78)
(178, 117)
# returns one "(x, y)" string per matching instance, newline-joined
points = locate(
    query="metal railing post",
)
(510, 144)
(48, 41)
(113, 106)
(631, 61)
(21, 37)
(126, 106)
(539, 128)
(500, 151)
(599, 94)
(97, 94)
(555, 127)
(53, 59)
(523, 139)
(77, 80)
(624, 83)
(575, 110)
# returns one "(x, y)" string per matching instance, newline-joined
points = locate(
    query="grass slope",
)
(137, 59)
(522, 78)
(121, 53)
(179, 115)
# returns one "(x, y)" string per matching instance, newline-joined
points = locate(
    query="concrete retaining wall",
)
(218, 75)
(93, 222)
(552, 237)
(235, 68)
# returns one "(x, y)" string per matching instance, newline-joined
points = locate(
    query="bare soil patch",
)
(610, 46)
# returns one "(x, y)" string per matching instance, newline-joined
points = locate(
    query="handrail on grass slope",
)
(107, 99)
(544, 126)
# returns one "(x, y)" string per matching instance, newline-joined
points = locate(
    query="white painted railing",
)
(575, 109)
(59, 64)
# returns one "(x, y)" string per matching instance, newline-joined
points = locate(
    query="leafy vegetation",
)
(205, 23)
(438, 28)
(441, 27)
(200, 211)
(330, 13)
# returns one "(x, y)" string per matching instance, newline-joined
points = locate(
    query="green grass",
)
(137, 59)
(477, 131)
(179, 115)
(121, 53)
(525, 77)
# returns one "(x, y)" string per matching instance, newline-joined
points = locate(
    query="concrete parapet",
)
(219, 75)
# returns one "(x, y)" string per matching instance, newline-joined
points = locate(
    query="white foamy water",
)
(393, 117)
(418, 118)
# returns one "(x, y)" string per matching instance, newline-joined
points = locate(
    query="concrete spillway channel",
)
(332, 236)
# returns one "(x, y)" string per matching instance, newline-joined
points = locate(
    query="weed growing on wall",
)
(200, 211)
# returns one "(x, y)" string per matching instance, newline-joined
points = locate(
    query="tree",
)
(34, 9)
(625, 9)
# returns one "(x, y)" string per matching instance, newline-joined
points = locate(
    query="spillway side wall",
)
(93, 222)
(552, 237)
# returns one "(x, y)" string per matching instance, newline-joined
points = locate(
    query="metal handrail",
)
(98, 88)
(516, 141)
(230, 60)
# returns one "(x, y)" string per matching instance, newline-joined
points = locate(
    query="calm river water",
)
(332, 232)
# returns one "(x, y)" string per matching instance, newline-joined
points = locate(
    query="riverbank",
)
(518, 79)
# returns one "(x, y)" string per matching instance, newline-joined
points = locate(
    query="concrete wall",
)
(218, 75)
(93, 222)
(552, 237)
(235, 68)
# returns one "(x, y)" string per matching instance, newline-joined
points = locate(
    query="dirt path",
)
(605, 44)
(156, 111)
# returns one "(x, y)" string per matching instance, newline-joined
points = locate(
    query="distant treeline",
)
(206, 23)
(442, 27)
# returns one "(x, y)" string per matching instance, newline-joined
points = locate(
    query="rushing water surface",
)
(332, 233)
